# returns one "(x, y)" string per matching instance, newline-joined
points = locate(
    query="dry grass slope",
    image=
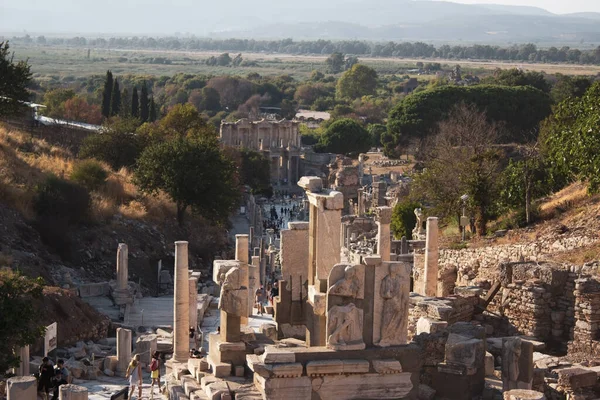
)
(26, 162)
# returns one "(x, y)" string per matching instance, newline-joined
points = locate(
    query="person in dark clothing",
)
(60, 377)
(46, 375)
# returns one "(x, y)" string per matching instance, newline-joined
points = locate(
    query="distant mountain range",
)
(411, 20)
(422, 20)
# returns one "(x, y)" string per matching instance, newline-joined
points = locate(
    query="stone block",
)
(72, 392)
(355, 366)
(22, 388)
(216, 390)
(274, 355)
(287, 370)
(576, 378)
(269, 330)
(428, 325)
(367, 386)
(285, 388)
(387, 366)
(145, 346)
(318, 368)
(239, 371)
(520, 394)
(311, 183)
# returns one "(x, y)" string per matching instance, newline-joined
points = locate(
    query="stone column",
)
(123, 349)
(242, 248)
(181, 332)
(122, 266)
(294, 258)
(256, 267)
(253, 283)
(431, 257)
(193, 285)
(72, 392)
(361, 205)
(23, 369)
(384, 242)
(289, 170)
(21, 388)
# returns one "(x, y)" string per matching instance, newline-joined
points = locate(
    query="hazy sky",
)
(555, 6)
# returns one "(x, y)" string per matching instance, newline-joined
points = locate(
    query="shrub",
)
(56, 197)
(89, 174)
(404, 219)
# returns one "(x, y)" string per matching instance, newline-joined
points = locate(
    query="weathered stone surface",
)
(428, 325)
(123, 349)
(489, 364)
(344, 328)
(367, 386)
(576, 378)
(318, 368)
(521, 394)
(284, 388)
(274, 355)
(145, 346)
(387, 366)
(311, 183)
(286, 370)
(22, 388)
(72, 392)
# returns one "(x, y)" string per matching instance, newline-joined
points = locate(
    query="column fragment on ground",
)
(72, 392)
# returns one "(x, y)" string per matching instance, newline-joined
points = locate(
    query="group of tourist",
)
(264, 297)
(51, 377)
(134, 374)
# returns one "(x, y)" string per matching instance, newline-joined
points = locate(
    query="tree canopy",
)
(344, 136)
(20, 319)
(519, 109)
(14, 78)
(571, 138)
(358, 81)
(194, 173)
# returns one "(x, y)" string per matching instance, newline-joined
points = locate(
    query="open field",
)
(64, 61)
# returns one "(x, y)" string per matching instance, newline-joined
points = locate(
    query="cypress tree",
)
(115, 105)
(144, 106)
(135, 104)
(125, 103)
(152, 115)
(107, 94)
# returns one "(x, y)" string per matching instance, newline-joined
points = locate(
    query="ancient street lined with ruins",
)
(358, 315)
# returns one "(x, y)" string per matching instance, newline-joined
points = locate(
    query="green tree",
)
(569, 86)
(125, 104)
(518, 77)
(255, 171)
(14, 78)
(107, 94)
(135, 103)
(152, 115)
(183, 120)
(55, 100)
(335, 63)
(404, 219)
(520, 109)
(21, 320)
(224, 60)
(359, 81)
(117, 145)
(462, 160)
(377, 132)
(344, 136)
(115, 105)
(144, 103)
(571, 139)
(211, 100)
(194, 173)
